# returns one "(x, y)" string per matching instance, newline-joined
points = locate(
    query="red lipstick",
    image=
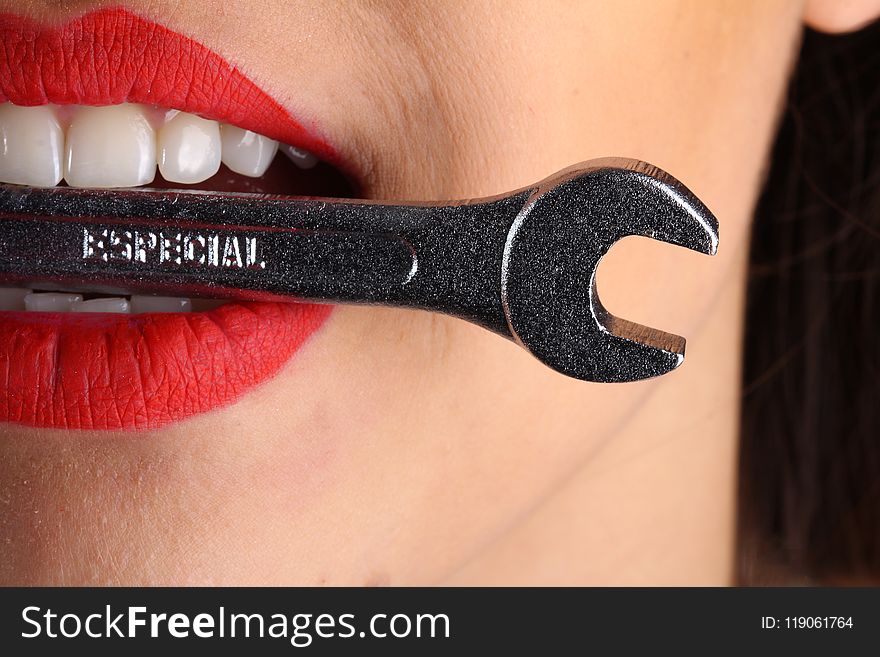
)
(118, 372)
(112, 56)
(145, 371)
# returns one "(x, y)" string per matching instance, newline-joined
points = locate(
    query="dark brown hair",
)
(809, 498)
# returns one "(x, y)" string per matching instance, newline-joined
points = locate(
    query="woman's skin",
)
(400, 447)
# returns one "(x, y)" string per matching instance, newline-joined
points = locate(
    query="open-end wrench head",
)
(548, 280)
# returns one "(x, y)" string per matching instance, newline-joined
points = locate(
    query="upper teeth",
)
(121, 145)
(246, 152)
(108, 147)
(189, 149)
(303, 158)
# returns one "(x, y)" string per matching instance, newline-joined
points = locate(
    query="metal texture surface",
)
(522, 265)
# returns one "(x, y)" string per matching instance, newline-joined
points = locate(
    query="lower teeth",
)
(20, 299)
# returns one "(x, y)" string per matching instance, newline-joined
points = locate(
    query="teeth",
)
(12, 298)
(302, 159)
(18, 299)
(144, 304)
(121, 145)
(110, 147)
(51, 302)
(246, 152)
(31, 145)
(189, 149)
(109, 305)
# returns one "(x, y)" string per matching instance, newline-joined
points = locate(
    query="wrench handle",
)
(445, 258)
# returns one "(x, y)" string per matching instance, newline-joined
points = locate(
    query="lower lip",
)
(119, 372)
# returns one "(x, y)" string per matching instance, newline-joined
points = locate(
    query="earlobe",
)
(837, 16)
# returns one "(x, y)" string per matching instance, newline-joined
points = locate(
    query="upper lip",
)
(113, 56)
(119, 372)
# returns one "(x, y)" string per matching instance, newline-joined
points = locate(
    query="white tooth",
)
(246, 152)
(51, 302)
(149, 304)
(31, 145)
(110, 305)
(12, 298)
(302, 159)
(110, 147)
(189, 149)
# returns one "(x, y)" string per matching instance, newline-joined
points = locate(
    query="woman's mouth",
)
(111, 100)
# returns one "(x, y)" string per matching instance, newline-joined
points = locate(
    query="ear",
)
(836, 16)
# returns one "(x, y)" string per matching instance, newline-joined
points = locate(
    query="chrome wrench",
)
(522, 265)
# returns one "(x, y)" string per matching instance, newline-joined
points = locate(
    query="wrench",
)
(522, 265)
